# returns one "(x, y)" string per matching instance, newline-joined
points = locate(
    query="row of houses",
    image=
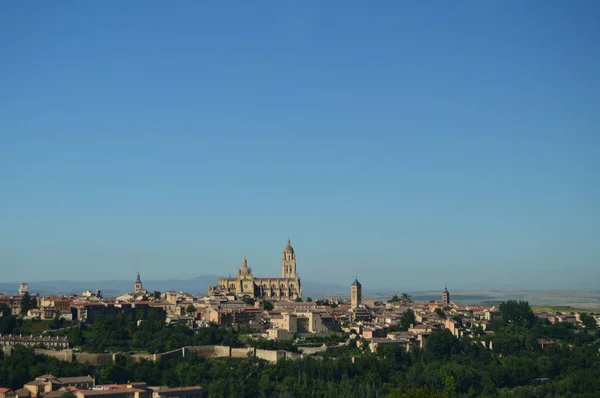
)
(49, 386)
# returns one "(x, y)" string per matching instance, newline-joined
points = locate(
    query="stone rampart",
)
(242, 352)
(93, 359)
(270, 355)
(148, 357)
(222, 351)
(293, 356)
(178, 353)
(205, 351)
(63, 355)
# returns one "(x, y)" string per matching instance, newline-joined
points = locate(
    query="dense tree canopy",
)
(517, 312)
(589, 322)
(446, 366)
(146, 331)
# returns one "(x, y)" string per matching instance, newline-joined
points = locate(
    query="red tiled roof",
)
(110, 391)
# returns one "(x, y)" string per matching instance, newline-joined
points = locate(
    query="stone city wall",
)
(93, 359)
(205, 351)
(63, 355)
(148, 357)
(270, 355)
(242, 352)
(222, 351)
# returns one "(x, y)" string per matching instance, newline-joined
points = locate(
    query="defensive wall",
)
(209, 351)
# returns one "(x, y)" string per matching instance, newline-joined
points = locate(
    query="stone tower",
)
(355, 293)
(288, 262)
(245, 280)
(446, 296)
(138, 284)
(24, 288)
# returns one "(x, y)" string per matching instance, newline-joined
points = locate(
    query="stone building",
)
(355, 294)
(45, 384)
(446, 296)
(286, 287)
(24, 288)
(56, 342)
(138, 288)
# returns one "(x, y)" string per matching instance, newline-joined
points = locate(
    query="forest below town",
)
(446, 367)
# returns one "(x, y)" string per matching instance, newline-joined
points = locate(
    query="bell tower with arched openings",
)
(288, 262)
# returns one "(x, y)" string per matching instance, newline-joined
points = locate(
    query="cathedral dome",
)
(288, 248)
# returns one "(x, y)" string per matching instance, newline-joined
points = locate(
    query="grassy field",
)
(561, 308)
(35, 326)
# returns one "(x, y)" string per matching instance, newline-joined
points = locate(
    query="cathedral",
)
(287, 287)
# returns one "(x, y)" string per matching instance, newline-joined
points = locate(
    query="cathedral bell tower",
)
(288, 262)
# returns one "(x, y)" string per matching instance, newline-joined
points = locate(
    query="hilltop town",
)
(268, 316)
(272, 308)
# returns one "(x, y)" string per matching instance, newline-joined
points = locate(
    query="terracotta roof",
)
(54, 394)
(36, 383)
(23, 392)
(110, 391)
(46, 376)
(175, 392)
(79, 379)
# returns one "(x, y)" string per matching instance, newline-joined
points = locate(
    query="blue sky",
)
(410, 143)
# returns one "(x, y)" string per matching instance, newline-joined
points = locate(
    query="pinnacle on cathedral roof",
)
(138, 280)
(356, 282)
(288, 247)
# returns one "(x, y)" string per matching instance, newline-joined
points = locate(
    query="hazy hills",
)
(198, 285)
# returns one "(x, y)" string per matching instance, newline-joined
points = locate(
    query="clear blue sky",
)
(410, 143)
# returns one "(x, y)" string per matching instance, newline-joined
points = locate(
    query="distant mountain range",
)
(199, 286)
(196, 286)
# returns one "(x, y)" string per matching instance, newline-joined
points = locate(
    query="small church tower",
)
(355, 293)
(446, 295)
(138, 285)
(288, 262)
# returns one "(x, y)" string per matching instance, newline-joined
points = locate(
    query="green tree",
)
(309, 299)
(517, 312)
(298, 299)
(8, 323)
(75, 337)
(440, 313)
(26, 303)
(418, 393)
(588, 321)
(406, 296)
(268, 305)
(191, 309)
(156, 295)
(394, 299)
(408, 318)
(5, 310)
(249, 300)
(57, 322)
